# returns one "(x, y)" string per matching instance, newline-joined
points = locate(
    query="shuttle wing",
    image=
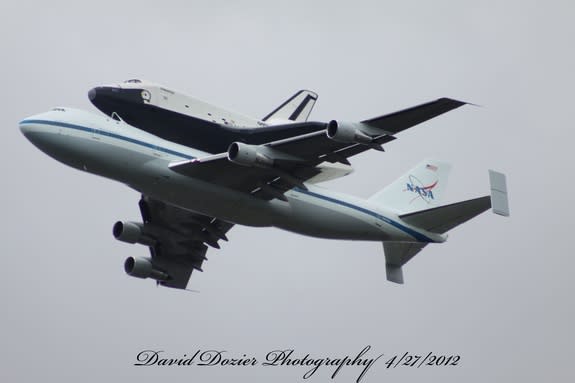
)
(181, 239)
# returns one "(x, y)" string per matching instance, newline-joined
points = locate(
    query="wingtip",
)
(458, 103)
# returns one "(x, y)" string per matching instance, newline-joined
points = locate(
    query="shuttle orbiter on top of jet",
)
(182, 119)
(197, 177)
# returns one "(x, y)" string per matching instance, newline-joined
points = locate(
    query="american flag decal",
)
(431, 167)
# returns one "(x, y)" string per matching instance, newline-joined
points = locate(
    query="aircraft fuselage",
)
(118, 151)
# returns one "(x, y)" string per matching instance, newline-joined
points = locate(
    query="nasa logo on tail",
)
(415, 185)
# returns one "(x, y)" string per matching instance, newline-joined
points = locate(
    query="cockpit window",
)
(133, 81)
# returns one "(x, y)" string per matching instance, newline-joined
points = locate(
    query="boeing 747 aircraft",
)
(192, 195)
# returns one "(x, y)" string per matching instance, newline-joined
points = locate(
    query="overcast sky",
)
(499, 292)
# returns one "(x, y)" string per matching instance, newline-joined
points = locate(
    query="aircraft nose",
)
(32, 130)
(40, 133)
(25, 129)
(30, 133)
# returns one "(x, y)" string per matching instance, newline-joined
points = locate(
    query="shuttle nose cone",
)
(111, 99)
(92, 94)
(102, 93)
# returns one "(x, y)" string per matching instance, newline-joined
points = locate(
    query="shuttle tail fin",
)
(296, 109)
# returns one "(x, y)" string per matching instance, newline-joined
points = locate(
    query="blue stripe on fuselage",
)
(108, 134)
(415, 234)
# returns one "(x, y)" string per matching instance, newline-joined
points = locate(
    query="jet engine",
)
(131, 232)
(143, 268)
(249, 155)
(347, 133)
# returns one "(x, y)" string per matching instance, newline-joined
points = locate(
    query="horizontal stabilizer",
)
(444, 218)
(499, 193)
(398, 254)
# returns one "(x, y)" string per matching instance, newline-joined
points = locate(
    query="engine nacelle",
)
(131, 232)
(249, 155)
(143, 268)
(347, 133)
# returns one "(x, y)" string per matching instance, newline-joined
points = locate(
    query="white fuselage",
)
(115, 150)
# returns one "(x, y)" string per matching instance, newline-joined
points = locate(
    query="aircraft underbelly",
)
(310, 218)
(295, 215)
(202, 197)
(299, 214)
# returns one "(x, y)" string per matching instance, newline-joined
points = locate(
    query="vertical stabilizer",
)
(420, 188)
(499, 200)
(398, 254)
(296, 109)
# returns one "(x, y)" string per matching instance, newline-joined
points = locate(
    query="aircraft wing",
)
(180, 239)
(298, 159)
(318, 145)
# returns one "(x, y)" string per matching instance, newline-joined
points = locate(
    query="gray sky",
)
(498, 293)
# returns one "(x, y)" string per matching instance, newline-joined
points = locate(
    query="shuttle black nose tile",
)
(92, 94)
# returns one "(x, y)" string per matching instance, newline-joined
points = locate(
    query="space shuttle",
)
(185, 120)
